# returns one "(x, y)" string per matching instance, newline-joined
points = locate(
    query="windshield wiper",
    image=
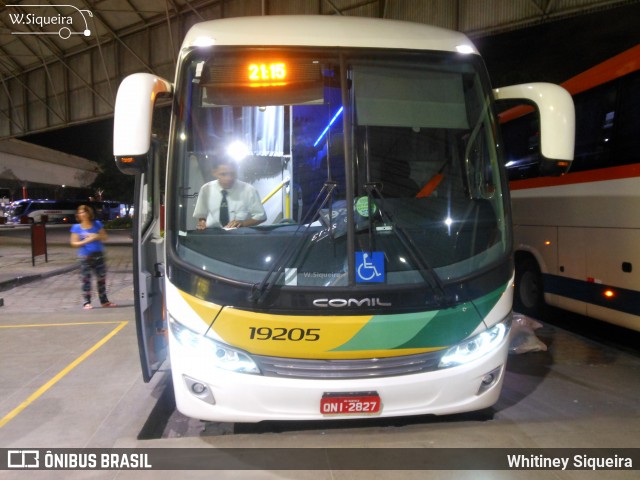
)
(427, 272)
(260, 290)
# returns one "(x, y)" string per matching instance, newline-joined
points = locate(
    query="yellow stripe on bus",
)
(294, 336)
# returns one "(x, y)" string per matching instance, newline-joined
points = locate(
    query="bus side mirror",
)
(557, 121)
(133, 113)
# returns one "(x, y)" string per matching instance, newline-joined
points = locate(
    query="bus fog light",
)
(489, 380)
(199, 390)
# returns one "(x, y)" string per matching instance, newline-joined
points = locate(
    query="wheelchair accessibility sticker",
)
(370, 267)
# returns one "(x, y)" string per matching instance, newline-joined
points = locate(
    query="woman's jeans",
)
(95, 262)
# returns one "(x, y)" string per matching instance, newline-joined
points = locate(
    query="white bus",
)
(58, 211)
(577, 235)
(381, 282)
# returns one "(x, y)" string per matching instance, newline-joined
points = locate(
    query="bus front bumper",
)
(214, 394)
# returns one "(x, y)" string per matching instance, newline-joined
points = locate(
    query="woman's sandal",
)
(87, 306)
(109, 305)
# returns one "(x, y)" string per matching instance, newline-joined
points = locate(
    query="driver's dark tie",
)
(224, 210)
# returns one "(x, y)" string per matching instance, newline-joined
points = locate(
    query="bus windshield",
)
(287, 162)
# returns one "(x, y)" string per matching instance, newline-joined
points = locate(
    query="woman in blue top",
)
(87, 235)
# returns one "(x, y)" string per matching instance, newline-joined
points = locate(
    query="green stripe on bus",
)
(433, 329)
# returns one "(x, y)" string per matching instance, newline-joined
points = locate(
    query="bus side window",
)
(521, 138)
(627, 140)
(595, 120)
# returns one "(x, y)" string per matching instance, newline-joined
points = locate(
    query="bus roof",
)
(319, 30)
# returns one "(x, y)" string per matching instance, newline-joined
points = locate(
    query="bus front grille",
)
(343, 369)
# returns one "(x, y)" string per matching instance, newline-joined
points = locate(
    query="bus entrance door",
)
(149, 269)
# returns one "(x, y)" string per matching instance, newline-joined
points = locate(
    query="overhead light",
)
(326, 129)
(238, 151)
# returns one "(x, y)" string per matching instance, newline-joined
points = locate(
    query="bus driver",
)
(227, 202)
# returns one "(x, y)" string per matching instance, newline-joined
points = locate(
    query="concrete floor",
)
(70, 379)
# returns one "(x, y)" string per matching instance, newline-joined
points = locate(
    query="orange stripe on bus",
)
(616, 67)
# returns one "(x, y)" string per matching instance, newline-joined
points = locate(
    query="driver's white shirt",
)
(242, 198)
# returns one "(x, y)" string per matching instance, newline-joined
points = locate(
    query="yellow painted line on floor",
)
(31, 325)
(34, 396)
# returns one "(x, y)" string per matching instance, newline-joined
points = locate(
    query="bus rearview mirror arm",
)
(133, 114)
(557, 118)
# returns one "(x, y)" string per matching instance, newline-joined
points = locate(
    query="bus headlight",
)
(475, 347)
(219, 354)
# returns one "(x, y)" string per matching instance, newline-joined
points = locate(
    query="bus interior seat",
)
(396, 180)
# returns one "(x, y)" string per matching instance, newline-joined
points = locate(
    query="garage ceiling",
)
(60, 65)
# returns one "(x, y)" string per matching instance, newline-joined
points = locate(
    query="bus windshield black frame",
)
(385, 161)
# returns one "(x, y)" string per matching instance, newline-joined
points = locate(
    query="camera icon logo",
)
(23, 459)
